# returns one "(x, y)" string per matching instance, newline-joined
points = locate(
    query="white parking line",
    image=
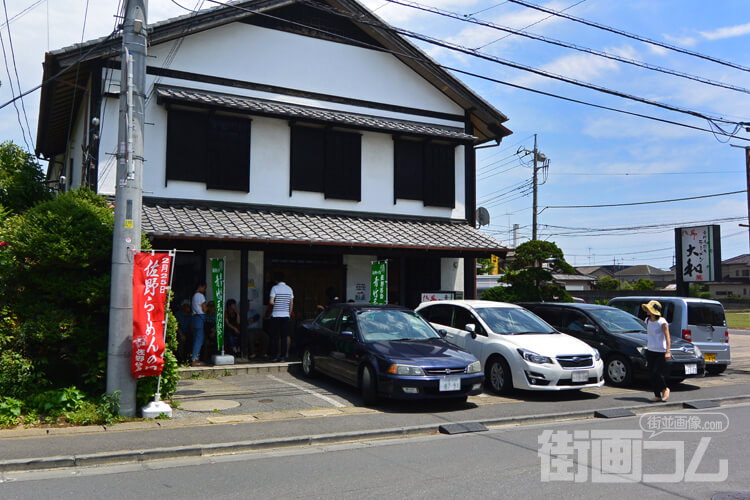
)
(309, 391)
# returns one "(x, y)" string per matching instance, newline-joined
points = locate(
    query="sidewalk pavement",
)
(220, 432)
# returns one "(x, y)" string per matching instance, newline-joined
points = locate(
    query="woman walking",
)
(657, 351)
(198, 307)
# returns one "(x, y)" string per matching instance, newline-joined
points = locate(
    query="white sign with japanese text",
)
(697, 254)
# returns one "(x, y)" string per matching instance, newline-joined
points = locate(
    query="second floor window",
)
(425, 171)
(209, 148)
(326, 161)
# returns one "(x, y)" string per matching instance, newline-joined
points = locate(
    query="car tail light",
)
(726, 337)
(687, 335)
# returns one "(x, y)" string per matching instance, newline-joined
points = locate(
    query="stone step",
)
(239, 368)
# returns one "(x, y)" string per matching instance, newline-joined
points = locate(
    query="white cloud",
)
(726, 32)
(583, 67)
(684, 41)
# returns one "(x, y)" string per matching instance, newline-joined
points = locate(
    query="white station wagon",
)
(517, 349)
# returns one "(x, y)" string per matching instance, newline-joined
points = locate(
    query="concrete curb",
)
(188, 372)
(131, 456)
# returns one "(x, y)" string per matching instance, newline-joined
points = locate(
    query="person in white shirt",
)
(658, 349)
(198, 307)
(282, 304)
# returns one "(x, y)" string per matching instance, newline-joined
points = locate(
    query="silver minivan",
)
(699, 321)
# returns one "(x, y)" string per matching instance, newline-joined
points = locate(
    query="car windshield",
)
(384, 324)
(618, 321)
(512, 321)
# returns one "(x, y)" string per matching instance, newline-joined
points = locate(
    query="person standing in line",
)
(282, 303)
(658, 349)
(198, 307)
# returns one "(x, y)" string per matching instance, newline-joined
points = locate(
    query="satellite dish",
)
(483, 216)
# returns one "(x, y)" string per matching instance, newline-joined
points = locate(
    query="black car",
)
(387, 351)
(621, 339)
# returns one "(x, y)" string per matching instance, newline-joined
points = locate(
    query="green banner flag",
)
(379, 284)
(217, 282)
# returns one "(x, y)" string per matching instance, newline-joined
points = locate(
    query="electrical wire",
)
(465, 50)
(13, 93)
(559, 43)
(529, 25)
(630, 35)
(22, 13)
(15, 70)
(598, 106)
(706, 172)
(423, 59)
(630, 204)
(75, 86)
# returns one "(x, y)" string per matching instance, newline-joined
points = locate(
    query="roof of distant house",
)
(644, 269)
(740, 259)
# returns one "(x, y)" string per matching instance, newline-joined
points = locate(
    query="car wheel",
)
(499, 377)
(369, 386)
(715, 369)
(308, 363)
(617, 371)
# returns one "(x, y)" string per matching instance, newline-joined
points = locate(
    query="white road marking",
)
(309, 391)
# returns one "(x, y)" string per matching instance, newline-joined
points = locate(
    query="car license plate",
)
(691, 369)
(710, 356)
(450, 384)
(581, 376)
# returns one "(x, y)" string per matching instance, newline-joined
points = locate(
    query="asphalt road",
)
(500, 463)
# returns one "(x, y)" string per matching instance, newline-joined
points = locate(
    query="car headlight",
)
(597, 356)
(533, 357)
(698, 352)
(474, 367)
(397, 369)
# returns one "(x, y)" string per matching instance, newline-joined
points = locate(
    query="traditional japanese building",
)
(297, 136)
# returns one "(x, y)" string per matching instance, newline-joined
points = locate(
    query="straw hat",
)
(653, 307)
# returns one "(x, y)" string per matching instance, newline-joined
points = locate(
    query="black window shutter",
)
(343, 173)
(307, 164)
(408, 164)
(439, 177)
(187, 154)
(229, 148)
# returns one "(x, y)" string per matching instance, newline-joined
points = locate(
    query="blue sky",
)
(596, 156)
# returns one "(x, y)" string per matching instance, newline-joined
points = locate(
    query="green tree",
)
(485, 265)
(608, 283)
(644, 285)
(529, 275)
(21, 179)
(54, 291)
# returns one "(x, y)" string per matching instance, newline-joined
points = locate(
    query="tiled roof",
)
(283, 110)
(169, 218)
(740, 259)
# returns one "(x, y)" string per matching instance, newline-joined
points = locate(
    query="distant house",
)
(595, 271)
(735, 278)
(632, 274)
(571, 282)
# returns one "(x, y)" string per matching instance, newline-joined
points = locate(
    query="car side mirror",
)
(472, 329)
(588, 327)
(442, 332)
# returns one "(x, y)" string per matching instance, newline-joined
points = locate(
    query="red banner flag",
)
(150, 286)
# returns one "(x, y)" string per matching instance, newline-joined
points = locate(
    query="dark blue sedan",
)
(387, 351)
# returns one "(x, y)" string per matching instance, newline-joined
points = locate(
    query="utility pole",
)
(747, 183)
(539, 158)
(126, 239)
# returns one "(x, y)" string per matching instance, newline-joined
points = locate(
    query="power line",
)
(25, 11)
(380, 25)
(528, 25)
(75, 86)
(15, 70)
(559, 43)
(590, 104)
(472, 52)
(630, 35)
(651, 173)
(12, 93)
(649, 202)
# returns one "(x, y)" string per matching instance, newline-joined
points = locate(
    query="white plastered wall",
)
(452, 274)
